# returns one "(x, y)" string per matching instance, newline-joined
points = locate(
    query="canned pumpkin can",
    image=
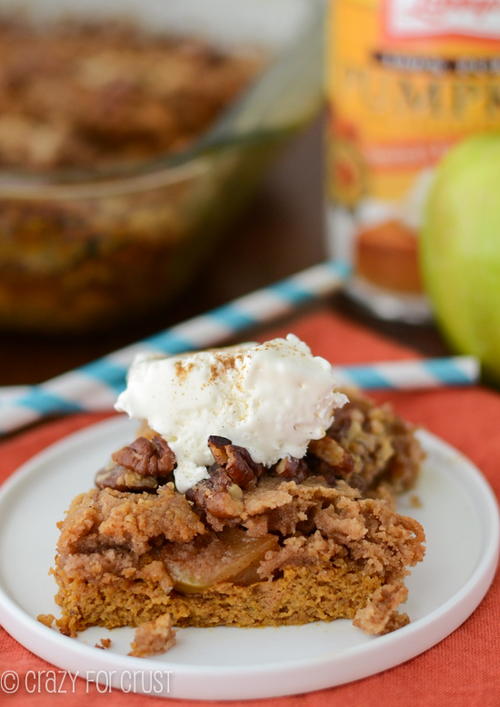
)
(406, 79)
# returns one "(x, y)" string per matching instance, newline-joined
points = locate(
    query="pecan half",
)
(147, 457)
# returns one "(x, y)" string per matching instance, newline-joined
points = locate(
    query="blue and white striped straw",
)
(411, 374)
(389, 375)
(96, 385)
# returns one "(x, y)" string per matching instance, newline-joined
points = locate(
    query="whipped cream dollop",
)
(270, 398)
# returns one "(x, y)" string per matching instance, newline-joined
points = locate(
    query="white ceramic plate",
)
(458, 512)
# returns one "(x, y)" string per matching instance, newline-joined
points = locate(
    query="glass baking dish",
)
(89, 249)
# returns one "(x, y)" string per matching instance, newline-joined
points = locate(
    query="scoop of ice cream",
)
(270, 398)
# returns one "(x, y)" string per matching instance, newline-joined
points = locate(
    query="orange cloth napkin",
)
(461, 671)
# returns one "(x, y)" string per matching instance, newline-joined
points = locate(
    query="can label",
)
(407, 79)
(414, 19)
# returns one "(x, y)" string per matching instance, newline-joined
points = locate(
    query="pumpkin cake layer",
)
(301, 595)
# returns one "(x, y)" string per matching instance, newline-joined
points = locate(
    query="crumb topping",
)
(113, 519)
(366, 530)
(379, 616)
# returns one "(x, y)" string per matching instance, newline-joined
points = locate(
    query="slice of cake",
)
(255, 494)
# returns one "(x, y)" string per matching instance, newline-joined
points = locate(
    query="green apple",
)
(460, 249)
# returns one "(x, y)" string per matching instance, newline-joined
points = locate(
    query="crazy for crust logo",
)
(418, 19)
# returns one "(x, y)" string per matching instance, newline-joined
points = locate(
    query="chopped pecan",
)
(358, 481)
(121, 479)
(331, 452)
(292, 469)
(241, 468)
(341, 426)
(217, 446)
(318, 468)
(216, 495)
(220, 497)
(236, 461)
(147, 457)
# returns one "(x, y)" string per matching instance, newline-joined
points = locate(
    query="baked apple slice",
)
(230, 556)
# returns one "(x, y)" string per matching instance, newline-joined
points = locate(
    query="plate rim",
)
(45, 641)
